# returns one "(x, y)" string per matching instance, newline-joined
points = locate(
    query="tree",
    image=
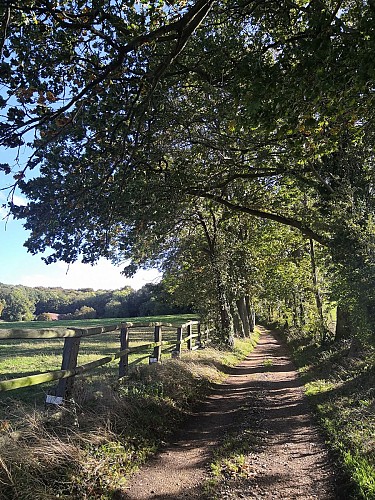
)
(2, 306)
(113, 309)
(149, 109)
(18, 307)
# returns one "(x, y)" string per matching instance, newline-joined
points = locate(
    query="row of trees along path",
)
(262, 394)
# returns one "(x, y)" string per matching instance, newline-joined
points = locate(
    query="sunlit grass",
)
(20, 357)
(174, 319)
(318, 387)
(268, 363)
(341, 387)
(87, 448)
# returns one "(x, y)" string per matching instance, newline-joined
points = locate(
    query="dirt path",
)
(263, 393)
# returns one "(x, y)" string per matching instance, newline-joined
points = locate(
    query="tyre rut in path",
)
(291, 463)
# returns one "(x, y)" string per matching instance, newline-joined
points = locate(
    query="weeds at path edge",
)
(86, 450)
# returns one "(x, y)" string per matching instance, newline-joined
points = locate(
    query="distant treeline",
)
(22, 303)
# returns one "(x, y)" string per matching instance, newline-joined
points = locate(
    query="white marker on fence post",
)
(54, 400)
(190, 340)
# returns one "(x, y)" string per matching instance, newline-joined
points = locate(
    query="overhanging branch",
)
(281, 219)
(180, 31)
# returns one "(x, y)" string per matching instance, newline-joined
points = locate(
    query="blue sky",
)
(18, 267)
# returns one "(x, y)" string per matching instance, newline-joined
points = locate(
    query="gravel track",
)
(264, 394)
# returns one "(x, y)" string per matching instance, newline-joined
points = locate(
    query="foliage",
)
(21, 303)
(17, 305)
(83, 312)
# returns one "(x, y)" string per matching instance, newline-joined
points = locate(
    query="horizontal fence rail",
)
(63, 332)
(72, 337)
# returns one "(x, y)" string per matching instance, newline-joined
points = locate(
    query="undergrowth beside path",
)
(340, 385)
(86, 449)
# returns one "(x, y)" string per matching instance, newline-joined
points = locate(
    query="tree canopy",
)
(22, 303)
(139, 113)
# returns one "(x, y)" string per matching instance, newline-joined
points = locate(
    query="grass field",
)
(174, 319)
(86, 449)
(20, 358)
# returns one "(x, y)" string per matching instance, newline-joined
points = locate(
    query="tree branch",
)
(181, 29)
(309, 233)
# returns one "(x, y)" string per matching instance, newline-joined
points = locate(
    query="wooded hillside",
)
(22, 303)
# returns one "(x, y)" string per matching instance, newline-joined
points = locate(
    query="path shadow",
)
(252, 398)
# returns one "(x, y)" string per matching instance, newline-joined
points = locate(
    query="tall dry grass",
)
(86, 449)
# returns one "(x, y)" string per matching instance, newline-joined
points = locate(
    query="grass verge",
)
(86, 449)
(341, 389)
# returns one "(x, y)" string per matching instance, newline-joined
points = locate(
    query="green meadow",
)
(21, 357)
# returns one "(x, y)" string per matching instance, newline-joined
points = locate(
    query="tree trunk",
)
(250, 313)
(227, 329)
(270, 313)
(295, 312)
(241, 305)
(301, 311)
(343, 324)
(318, 299)
(238, 327)
(226, 320)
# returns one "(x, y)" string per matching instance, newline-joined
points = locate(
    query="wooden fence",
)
(69, 369)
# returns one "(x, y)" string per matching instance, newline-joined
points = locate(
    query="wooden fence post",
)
(157, 349)
(178, 350)
(123, 367)
(69, 362)
(189, 329)
(199, 338)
